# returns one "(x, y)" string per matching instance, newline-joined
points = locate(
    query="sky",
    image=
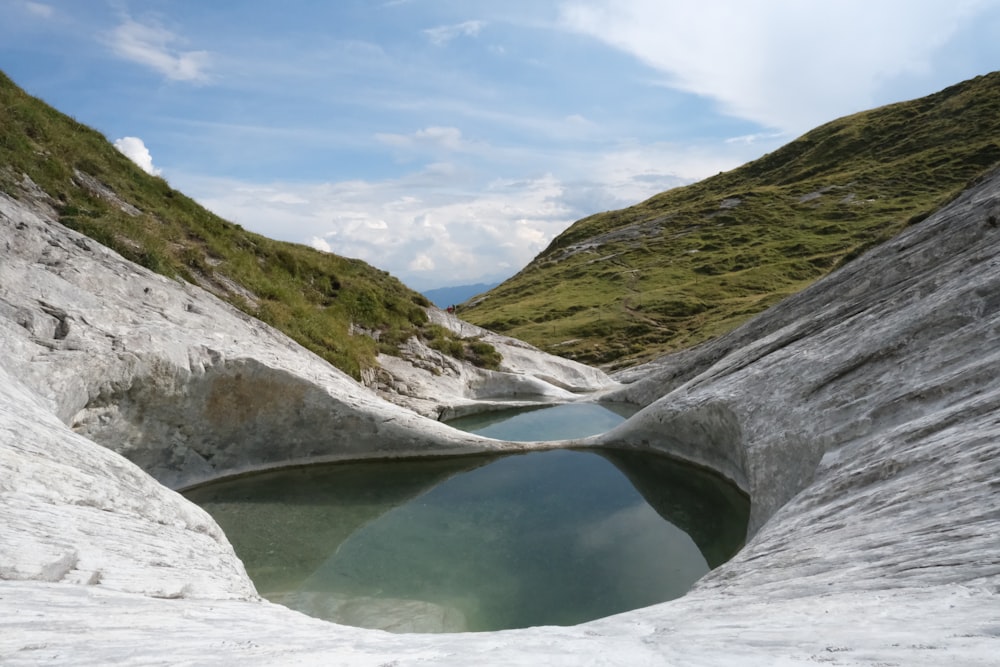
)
(449, 141)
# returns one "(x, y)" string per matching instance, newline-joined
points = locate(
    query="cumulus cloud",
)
(135, 150)
(441, 35)
(633, 172)
(442, 226)
(154, 47)
(441, 237)
(320, 244)
(421, 263)
(784, 64)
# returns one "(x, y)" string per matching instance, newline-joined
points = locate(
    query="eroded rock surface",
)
(860, 416)
(438, 386)
(190, 388)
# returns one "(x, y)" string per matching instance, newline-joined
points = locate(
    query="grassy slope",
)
(694, 262)
(312, 296)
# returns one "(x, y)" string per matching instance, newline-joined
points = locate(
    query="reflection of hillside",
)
(284, 524)
(560, 421)
(480, 420)
(507, 545)
(623, 410)
(710, 510)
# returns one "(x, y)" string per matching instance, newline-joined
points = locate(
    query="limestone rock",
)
(73, 512)
(859, 415)
(176, 380)
(441, 387)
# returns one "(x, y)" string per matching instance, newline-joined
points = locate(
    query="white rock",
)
(438, 386)
(860, 416)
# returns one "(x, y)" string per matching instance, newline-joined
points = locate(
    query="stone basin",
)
(858, 415)
(477, 543)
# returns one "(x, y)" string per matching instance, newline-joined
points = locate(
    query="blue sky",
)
(449, 141)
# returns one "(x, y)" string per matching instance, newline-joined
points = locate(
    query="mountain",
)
(614, 289)
(691, 263)
(343, 309)
(442, 297)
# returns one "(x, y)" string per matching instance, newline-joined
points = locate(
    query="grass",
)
(344, 310)
(614, 289)
(691, 263)
(475, 351)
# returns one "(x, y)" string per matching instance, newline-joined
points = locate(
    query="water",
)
(556, 422)
(479, 543)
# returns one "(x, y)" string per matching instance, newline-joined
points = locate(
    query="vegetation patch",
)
(615, 289)
(474, 350)
(691, 263)
(342, 309)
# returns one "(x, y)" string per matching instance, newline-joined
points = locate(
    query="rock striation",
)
(860, 416)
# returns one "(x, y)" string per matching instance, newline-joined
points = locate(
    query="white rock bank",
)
(860, 416)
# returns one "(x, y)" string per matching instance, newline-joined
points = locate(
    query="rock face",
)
(79, 514)
(188, 387)
(859, 415)
(438, 386)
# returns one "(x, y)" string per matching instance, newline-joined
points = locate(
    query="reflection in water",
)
(287, 522)
(555, 537)
(554, 422)
(712, 511)
(545, 538)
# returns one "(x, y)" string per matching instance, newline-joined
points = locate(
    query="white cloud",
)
(320, 244)
(135, 150)
(421, 263)
(757, 137)
(441, 35)
(441, 237)
(39, 9)
(153, 47)
(289, 198)
(443, 226)
(784, 64)
(447, 138)
(633, 172)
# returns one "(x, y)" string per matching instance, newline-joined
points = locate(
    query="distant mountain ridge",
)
(442, 297)
(691, 263)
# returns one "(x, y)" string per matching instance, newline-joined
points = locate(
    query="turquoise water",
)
(479, 543)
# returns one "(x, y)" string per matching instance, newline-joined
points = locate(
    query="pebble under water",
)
(479, 543)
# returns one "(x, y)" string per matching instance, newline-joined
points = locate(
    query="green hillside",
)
(334, 306)
(694, 262)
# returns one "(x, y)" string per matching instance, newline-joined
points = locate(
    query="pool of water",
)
(477, 543)
(554, 422)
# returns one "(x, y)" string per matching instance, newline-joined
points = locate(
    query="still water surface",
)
(556, 422)
(479, 543)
